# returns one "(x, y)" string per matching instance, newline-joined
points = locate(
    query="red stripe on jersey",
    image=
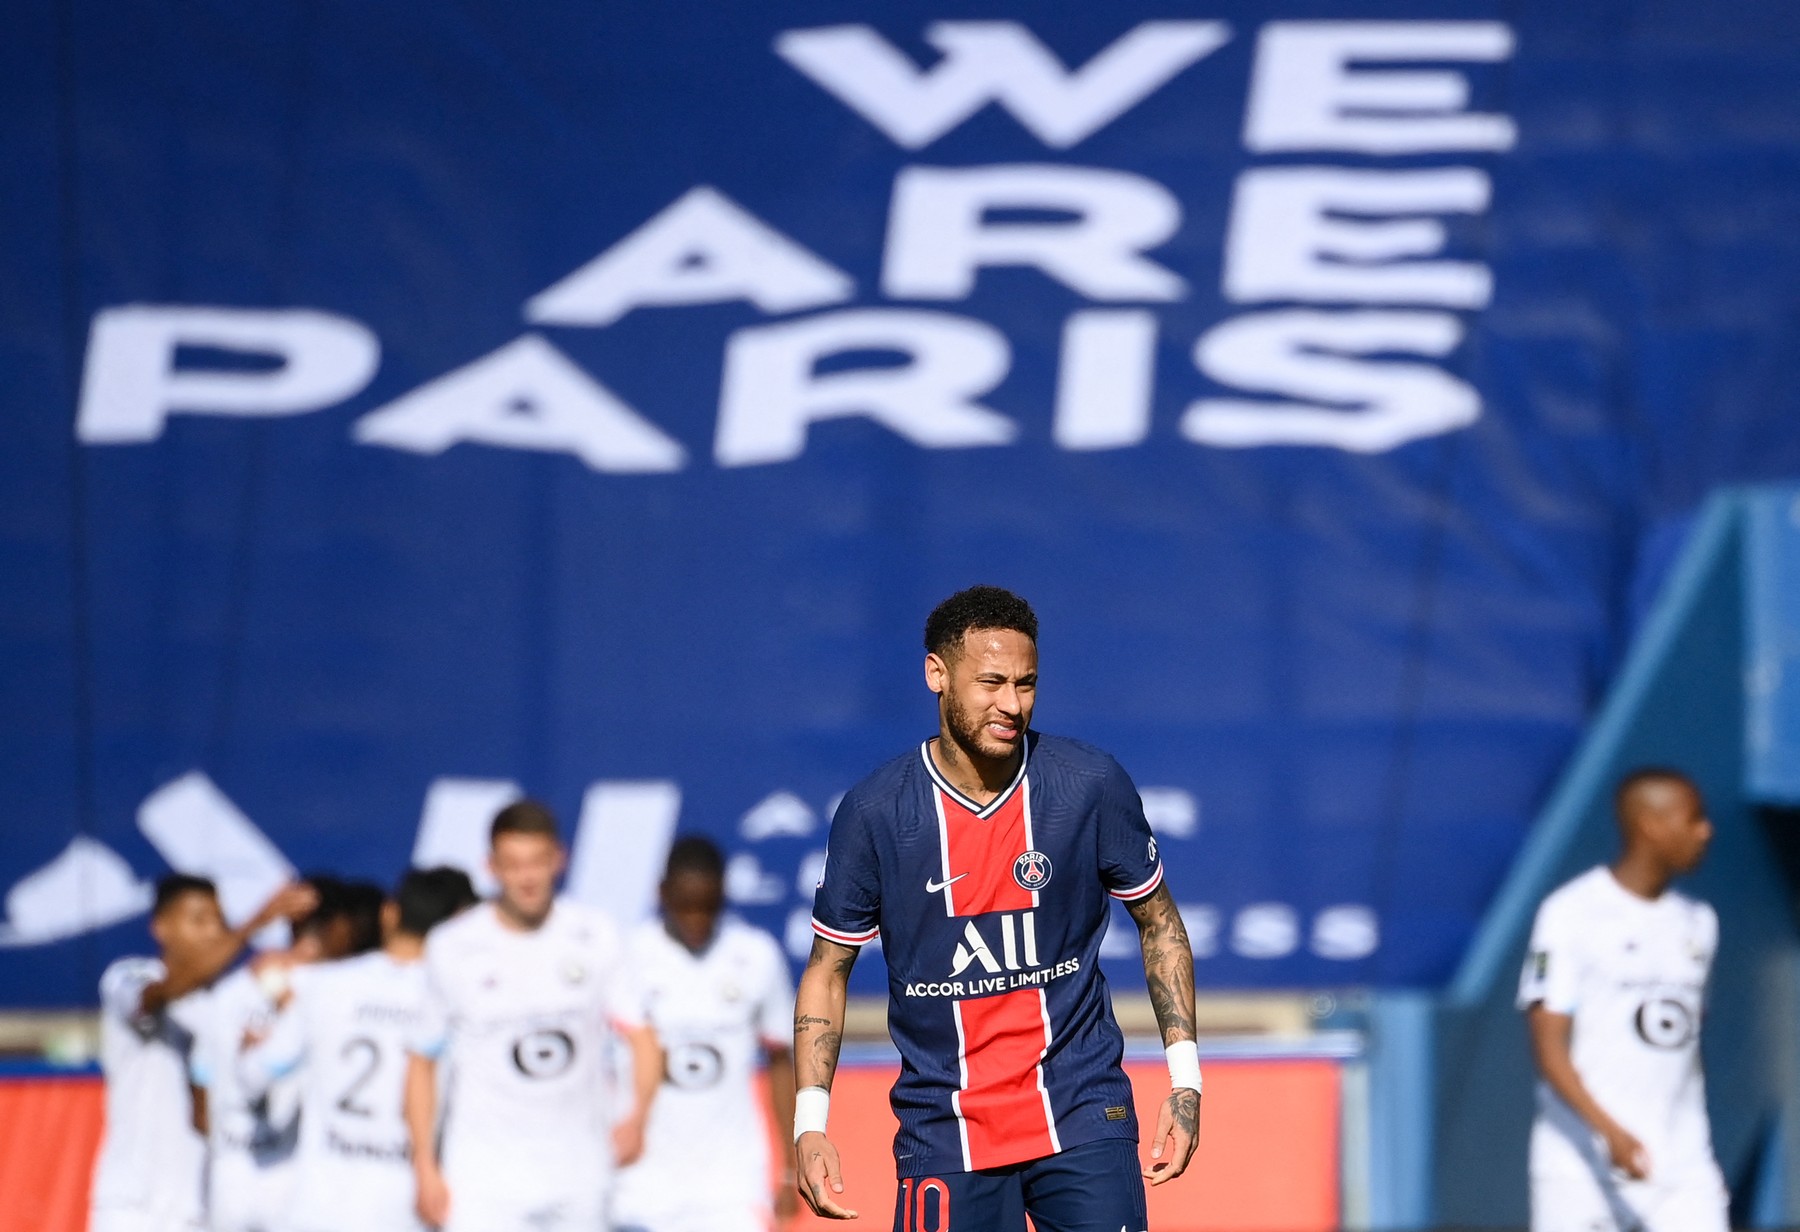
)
(844, 938)
(1139, 891)
(1003, 1108)
(981, 852)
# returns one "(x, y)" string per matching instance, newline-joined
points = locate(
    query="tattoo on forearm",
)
(841, 957)
(806, 1021)
(1168, 964)
(825, 1049)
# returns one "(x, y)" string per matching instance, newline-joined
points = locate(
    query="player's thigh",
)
(1699, 1205)
(960, 1202)
(1578, 1204)
(701, 1217)
(1096, 1187)
(483, 1209)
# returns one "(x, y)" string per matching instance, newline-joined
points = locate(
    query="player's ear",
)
(937, 672)
(390, 918)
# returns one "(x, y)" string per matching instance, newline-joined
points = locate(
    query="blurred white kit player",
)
(525, 997)
(344, 1037)
(718, 1013)
(1618, 980)
(250, 1135)
(149, 1174)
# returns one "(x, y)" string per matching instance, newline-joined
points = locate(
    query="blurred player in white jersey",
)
(149, 1174)
(720, 1000)
(251, 1137)
(344, 1034)
(1614, 989)
(525, 996)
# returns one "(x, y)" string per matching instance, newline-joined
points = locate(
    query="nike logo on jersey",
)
(932, 887)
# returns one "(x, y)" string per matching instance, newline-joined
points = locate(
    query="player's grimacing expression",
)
(691, 903)
(986, 691)
(527, 866)
(192, 921)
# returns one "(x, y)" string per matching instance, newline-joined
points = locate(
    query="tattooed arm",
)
(1169, 973)
(818, 1036)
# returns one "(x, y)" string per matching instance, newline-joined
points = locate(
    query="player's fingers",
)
(818, 1196)
(1179, 1158)
(1165, 1126)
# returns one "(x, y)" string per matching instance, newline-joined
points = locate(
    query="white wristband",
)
(812, 1105)
(1184, 1064)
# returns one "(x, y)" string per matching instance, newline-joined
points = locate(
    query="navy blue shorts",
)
(1096, 1187)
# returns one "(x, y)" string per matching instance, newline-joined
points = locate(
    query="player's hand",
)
(290, 902)
(628, 1140)
(1627, 1153)
(821, 1176)
(432, 1199)
(787, 1203)
(1177, 1133)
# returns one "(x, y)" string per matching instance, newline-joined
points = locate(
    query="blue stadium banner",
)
(415, 405)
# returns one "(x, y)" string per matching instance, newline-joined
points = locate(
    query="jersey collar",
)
(982, 811)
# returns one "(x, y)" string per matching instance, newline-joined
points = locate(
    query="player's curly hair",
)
(978, 607)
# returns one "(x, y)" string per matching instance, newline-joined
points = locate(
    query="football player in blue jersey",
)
(986, 860)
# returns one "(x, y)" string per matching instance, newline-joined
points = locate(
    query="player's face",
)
(986, 691)
(527, 866)
(691, 902)
(1675, 822)
(191, 923)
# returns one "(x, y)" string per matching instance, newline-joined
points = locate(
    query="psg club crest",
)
(1032, 870)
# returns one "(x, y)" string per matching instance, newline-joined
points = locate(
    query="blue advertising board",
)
(411, 406)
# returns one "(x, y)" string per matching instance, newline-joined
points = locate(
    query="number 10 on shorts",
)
(924, 1205)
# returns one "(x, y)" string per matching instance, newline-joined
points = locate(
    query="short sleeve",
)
(626, 1009)
(1130, 866)
(847, 903)
(122, 993)
(775, 1009)
(202, 1019)
(261, 1065)
(1552, 974)
(430, 1030)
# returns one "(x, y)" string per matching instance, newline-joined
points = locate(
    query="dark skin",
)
(197, 946)
(692, 902)
(1666, 831)
(987, 689)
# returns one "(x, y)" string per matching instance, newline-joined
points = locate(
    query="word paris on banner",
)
(1342, 299)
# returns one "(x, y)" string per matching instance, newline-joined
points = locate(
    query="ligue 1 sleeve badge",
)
(1032, 870)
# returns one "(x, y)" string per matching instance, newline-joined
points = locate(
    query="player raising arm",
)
(343, 1036)
(148, 1177)
(987, 861)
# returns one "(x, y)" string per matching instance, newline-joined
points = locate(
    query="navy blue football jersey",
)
(990, 918)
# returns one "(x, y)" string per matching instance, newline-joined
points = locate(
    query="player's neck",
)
(977, 777)
(512, 918)
(1643, 877)
(404, 948)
